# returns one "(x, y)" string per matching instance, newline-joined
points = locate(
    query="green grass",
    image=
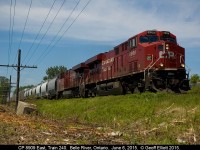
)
(147, 118)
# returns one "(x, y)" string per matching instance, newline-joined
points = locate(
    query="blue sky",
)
(101, 26)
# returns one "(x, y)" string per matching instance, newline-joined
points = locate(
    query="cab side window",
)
(133, 42)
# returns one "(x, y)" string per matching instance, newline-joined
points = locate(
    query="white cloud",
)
(106, 20)
(109, 20)
(117, 20)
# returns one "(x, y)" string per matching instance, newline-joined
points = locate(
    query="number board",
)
(151, 32)
(166, 33)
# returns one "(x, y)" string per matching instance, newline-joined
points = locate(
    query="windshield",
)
(169, 39)
(145, 39)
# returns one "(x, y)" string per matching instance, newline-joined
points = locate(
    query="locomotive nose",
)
(172, 56)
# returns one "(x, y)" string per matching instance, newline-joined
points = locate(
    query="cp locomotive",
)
(151, 60)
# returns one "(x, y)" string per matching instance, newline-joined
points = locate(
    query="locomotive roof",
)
(155, 32)
(79, 66)
(94, 59)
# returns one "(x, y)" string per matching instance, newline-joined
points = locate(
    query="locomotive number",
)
(132, 53)
(107, 61)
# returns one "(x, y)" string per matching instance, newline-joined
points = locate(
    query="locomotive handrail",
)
(148, 66)
(151, 62)
(155, 63)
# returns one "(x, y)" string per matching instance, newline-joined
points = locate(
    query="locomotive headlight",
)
(167, 46)
(161, 65)
(183, 65)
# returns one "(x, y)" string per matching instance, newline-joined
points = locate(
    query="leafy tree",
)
(4, 88)
(4, 84)
(52, 72)
(194, 78)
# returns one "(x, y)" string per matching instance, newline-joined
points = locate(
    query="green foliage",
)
(194, 78)
(4, 82)
(150, 118)
(4, 88)
(54, 71)
(195, 90)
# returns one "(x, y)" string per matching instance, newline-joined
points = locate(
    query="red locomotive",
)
(151, 60)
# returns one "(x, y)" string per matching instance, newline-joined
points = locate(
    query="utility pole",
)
(18, 66)
(9, 91)
(10, 86)
(18, 78)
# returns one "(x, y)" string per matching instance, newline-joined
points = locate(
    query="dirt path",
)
(38, 130)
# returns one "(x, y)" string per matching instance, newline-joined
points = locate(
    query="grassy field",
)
(147, 118)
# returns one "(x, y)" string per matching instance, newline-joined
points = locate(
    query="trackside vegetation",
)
(147, 118)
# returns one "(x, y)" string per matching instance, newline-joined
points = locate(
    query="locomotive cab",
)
(164, 62)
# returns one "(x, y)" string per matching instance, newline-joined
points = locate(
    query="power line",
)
(53, 40)
(67, 29)
(25, 24)
(39, 31)
(9, 40)
(46, 31)
(10, 31)
(13, 23)
(23, 31)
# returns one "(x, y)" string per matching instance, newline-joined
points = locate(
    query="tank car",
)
(43, 90)
(52, 88)
(38, 91)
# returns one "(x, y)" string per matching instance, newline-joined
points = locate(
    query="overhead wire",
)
(46, 31)
(66, 29)
(43, 25)
(39, 31)
(9, 40)
(25, 25)
(9, 44)
(13, 23)
(23, 30)
(58, 31)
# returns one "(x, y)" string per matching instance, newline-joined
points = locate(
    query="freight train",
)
(149, 61)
